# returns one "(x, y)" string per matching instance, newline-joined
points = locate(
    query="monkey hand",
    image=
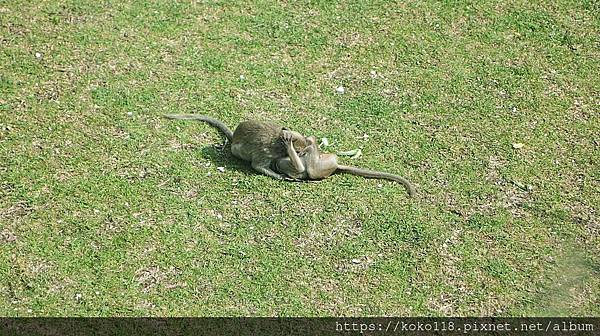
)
(287, 137)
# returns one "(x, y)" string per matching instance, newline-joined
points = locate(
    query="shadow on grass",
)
(221, 156)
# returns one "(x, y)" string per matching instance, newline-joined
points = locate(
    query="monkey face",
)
(299, 145)
(311, 140)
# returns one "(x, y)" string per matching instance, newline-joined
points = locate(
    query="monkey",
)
(314, 165)
(260, 143)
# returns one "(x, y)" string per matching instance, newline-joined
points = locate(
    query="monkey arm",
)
(290, 165)
(286, 167)
(297, 164)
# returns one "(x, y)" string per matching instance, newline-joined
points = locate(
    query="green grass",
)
(108, 209)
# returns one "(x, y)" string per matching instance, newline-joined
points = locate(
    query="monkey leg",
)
(264, 169)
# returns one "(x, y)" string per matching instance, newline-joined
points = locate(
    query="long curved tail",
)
(212, 121)
(379, 175)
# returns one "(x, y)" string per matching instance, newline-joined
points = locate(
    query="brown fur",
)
(316, 166)
(258, 142)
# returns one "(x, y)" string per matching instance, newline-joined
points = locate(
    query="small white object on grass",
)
(340, 89)
(242, 77)
(38, 55)
(324, 142)
(373, 74)
(356, 261)
(221, 169)
(518, 145)
(129, 114)
(348, 153)
(354, 154)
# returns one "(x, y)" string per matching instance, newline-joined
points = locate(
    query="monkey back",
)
(252, 139)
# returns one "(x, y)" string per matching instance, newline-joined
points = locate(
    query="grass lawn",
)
(108, 209)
